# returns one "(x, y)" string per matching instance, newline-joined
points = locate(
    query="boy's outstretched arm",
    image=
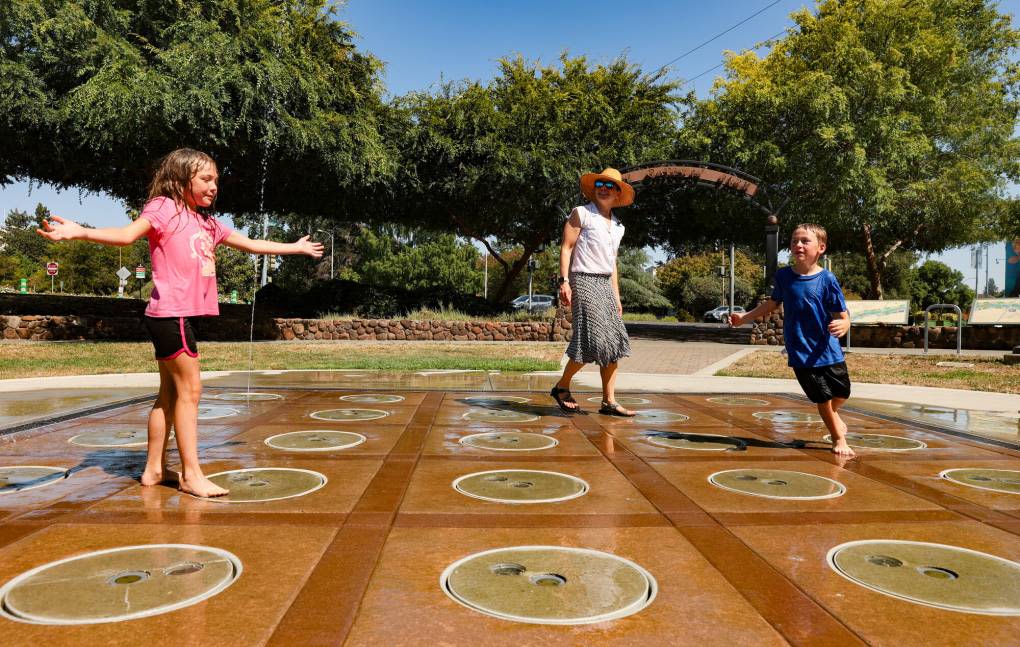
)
(764, 308)
(57, 228)
(300, 246)
(840, 324)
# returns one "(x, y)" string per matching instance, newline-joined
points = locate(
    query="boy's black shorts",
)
(171, 336)
(824, 383)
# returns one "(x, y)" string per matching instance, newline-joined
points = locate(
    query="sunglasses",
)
(605, 183)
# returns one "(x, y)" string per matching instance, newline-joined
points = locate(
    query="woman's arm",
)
(57, 228)
(300, 246)
(571, 230)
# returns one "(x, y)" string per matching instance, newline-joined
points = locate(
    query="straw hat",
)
(626, 194)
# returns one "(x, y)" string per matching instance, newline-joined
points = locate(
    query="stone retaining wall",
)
(396, 329)
(114, 319)
(978, 337)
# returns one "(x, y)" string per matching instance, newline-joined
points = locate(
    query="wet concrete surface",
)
(355, 556)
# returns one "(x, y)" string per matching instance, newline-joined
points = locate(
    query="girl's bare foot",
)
(841, 448)
(201, 487)
(156, 477)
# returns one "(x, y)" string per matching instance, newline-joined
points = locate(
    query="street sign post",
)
(51, 269)
(123, 273)
(140, 275)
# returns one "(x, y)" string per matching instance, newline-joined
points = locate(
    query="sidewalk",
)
(690, 367)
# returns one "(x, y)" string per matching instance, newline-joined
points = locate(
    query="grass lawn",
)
(19, 360)
(988, 373)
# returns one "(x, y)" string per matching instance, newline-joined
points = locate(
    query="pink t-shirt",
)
(181, 243)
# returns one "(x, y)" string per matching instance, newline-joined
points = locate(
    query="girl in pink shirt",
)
(182, 238)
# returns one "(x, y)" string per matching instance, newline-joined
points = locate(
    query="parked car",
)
(538, 302)
(720, 313)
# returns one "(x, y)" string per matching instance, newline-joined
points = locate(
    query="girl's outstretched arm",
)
(57, 228)
(300, 246)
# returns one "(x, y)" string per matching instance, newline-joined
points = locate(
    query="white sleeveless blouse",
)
(598, 242)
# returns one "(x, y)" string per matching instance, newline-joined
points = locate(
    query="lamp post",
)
(330, 234)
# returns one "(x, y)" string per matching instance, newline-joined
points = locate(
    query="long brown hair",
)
(173, 177)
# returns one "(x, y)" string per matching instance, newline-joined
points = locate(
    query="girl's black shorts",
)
(172, 336)
(823, 383)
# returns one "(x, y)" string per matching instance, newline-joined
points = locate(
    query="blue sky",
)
(423, 43)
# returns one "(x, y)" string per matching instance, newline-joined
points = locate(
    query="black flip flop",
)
(555, 393)
(614, 409)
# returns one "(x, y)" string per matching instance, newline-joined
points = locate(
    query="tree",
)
(851, 268)
(678, 275)
(93, 93)
(236, 270)
(638, 289)
(702, 293)
(991, 289)
(936, 282)
(502, 160)
(422, 260)
(18, 235)
(890, 122)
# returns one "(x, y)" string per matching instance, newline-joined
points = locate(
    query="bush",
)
(368, 301)
(703, 293)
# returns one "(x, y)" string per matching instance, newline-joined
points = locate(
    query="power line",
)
(691, 51)
(716, 67)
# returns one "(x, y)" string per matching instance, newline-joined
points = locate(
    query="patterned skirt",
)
(598, 335)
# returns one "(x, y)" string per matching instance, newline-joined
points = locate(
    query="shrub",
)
(369, 301)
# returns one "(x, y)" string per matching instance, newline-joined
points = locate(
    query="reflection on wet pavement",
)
(18, 407)
(999, 425)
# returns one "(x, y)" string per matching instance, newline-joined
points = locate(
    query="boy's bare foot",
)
(201, 487)
(841, 448)
(165, 476)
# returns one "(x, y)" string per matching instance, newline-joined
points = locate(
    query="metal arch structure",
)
(717, 176)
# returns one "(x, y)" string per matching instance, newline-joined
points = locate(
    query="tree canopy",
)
(889, 122)
(93, 93)
(935, 282)
(503, 159)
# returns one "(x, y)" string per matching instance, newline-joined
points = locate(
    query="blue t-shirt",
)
(809, 303)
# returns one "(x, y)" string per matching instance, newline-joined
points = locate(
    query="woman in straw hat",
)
(589, 284)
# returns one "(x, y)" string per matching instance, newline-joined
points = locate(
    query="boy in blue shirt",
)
(814, 317)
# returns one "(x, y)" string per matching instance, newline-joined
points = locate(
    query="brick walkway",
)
(672, 357)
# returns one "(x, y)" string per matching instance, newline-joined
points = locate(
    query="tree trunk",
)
(874, 265)
(511, 274)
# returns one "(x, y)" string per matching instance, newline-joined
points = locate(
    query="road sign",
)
(23, 288)
(233, 296)
(123, 273)
(140, 272)
(51, 268)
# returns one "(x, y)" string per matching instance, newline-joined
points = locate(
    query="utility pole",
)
(975, 257)
(485, 289)
(987, 262)
(733, 286)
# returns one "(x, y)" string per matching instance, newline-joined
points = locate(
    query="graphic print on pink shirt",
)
(182, 244)
(202, 248)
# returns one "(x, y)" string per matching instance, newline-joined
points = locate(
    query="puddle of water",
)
(19, 407)
(997, 425)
